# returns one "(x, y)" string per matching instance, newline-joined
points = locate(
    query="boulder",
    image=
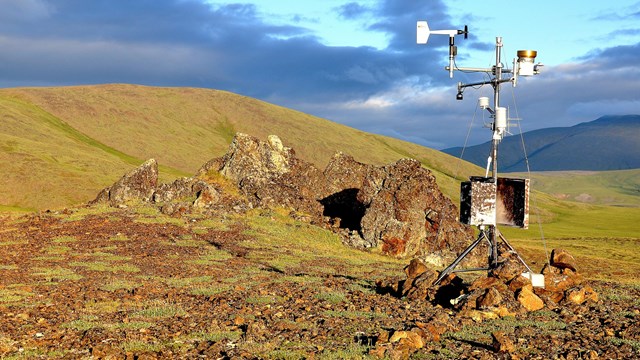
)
(420, 287)
(490, 298)
(185, 189)
(137, 185)
(414, 269)
(529, 300)
(508, 269)
(397, 208)
(407, 215)
(344, 172)
(561, 259)
(249, 159)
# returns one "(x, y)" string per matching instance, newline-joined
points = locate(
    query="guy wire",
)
(533, 196)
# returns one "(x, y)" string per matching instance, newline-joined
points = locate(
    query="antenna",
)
(490, 200)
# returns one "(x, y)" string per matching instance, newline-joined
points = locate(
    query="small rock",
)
(490, 298)
(529, 300)
(397, 335)
(561, 259)
(415, 268)
(483, 282)
(508, 269)
(576, 296)
(502, 343)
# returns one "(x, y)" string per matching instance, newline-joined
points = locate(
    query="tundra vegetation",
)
(132, 281)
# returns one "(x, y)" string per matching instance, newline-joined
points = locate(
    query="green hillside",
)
(617, 188)
(60, 146)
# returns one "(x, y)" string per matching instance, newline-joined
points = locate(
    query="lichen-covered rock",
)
(408, 215)
(185, 193)
(138, 184)
(269, 174)
(344, 172)
(253, 161)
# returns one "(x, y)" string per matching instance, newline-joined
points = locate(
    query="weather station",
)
(488, 201)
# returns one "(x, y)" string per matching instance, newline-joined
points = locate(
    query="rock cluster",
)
(504, 291)
(398, 207)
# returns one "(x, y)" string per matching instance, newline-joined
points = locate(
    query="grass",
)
(482, 332)
(213, 336)
(160, 309)
(103, 307)
(119, 284)
(57, 250)
(92, 322)
(297, 243)
(13, 295)
(119, 237)
(333, 297)
(211, 290)
(635, 345)
(264, 299)
(53, 275)
(619, 188)
(104, 266)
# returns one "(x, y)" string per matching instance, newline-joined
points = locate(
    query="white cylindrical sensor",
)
(501, 118)
(526, 59)
(483, 102)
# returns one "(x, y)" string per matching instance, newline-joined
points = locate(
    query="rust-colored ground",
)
(127, 284)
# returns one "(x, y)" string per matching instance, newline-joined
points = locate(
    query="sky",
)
(352, 62)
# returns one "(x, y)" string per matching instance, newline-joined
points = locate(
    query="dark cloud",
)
(401, 91)
(352, 10)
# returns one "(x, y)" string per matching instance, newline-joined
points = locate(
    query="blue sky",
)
(353, 62)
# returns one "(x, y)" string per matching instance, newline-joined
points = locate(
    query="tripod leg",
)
(514, 251)
(455, 263)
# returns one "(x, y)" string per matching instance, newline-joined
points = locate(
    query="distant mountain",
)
(608, 143)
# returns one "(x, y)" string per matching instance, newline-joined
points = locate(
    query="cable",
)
(535, 198)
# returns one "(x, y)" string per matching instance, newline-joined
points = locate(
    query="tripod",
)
(485, 234)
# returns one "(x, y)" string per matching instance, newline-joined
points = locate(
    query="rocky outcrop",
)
(408, 215)
(137, 185)
(397, 208)
(269, 174)
(176, 198)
